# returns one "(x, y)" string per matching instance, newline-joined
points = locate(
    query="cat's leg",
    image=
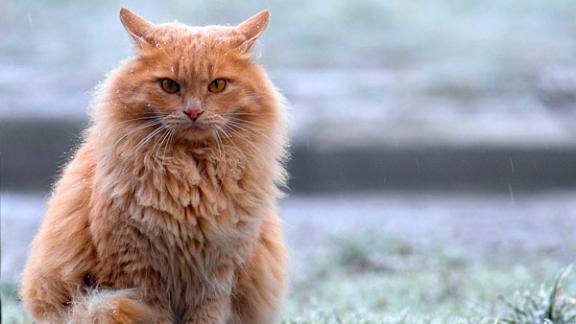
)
(212, 311)
(54, 277)
(259, 290)
(162, 310)
(62, 253)
(214, 305)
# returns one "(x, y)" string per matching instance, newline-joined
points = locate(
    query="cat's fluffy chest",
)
(179, 219)
(203, 191)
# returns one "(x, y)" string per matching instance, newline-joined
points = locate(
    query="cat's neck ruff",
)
(181, 176)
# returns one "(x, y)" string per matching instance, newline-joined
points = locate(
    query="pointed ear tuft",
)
(135, 25)
(253, 27)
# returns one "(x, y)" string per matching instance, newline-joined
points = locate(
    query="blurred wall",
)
(382, 94)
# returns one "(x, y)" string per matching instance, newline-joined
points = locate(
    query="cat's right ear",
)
(136, 26)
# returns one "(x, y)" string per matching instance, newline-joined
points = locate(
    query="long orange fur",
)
(158, 221)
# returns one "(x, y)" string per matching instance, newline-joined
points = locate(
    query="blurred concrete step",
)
(501, 169)
(32, 151)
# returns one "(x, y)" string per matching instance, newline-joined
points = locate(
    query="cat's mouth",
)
(189, 129)
(196, 128)
(200, 125)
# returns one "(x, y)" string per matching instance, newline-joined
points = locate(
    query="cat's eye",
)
(169, 85)
(217, 86)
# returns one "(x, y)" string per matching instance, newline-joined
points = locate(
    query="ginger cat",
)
(166, 213)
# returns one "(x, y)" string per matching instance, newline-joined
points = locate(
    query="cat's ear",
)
(252, 28)
(136, 26)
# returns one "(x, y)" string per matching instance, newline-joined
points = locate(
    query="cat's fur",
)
(177, 225)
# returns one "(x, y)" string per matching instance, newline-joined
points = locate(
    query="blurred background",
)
(433, 141)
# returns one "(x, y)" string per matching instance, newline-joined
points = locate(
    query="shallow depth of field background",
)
(434, 143)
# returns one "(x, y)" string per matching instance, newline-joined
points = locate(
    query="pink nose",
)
(194, 112)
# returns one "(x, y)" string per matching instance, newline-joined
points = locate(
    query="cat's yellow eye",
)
(169, 85)
(217, 86)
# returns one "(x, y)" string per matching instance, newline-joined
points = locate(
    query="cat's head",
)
(195, 82)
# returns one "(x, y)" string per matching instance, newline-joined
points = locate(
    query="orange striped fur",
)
(158, 219)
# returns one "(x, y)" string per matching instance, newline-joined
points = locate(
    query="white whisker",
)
(139, 128)
(148, 137)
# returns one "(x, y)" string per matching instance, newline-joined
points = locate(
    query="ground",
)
(388, 257)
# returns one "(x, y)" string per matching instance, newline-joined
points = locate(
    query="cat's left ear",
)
(252, 28)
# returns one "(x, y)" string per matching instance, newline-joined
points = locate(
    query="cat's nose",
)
(193, 112)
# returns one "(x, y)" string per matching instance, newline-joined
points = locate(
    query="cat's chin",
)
(195, 134)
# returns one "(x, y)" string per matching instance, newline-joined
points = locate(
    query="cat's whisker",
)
(239, 127)
(219, 128)
(236, 133)
(158, 145)
(243, 133)
(244, 114)
(148, 137)
(164, 143)
(240, 113)
(230, 140)
(219, 144)
(139, 128)
(215, 136)
(149, 112)
(168, 142)
(239, 135)
(137, 119)
(255, 132)
(242, 121)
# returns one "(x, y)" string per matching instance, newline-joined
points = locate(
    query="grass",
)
(12, 310)
(368, 279)
(545, 306)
